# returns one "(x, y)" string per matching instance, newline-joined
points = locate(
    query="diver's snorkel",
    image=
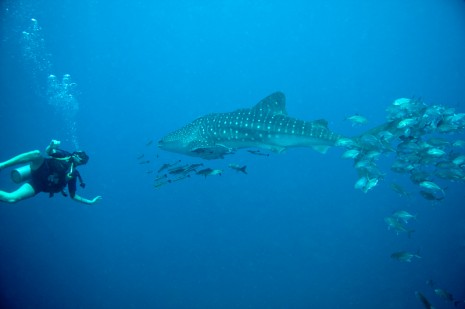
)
(75, 159)
(71, 171)
(69, 175)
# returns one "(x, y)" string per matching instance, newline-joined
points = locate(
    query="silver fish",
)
(357, 119)
(403, 215)
(404, 256)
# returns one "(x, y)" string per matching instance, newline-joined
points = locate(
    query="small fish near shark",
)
(266, 125)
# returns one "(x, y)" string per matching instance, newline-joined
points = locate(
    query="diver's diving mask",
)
(80, 157)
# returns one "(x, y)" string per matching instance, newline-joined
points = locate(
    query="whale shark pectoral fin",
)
(278, 149)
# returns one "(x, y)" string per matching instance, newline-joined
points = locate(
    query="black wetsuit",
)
(51, 176)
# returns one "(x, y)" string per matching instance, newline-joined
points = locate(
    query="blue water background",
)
(293, 233)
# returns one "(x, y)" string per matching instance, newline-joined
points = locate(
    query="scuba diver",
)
(50, 175)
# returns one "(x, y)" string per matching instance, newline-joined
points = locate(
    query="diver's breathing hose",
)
(70, 173)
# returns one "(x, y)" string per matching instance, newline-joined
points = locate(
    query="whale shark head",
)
(182, 139)
(192, 140)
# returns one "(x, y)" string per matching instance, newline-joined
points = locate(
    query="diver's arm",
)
(74, 196)
(53, 150)
(80, 199)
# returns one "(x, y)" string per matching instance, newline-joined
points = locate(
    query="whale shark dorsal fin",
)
(275, 103)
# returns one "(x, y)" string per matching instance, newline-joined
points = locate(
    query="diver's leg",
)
(32, 156)
(23, 192)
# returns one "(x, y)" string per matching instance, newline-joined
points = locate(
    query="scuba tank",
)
(21, 174)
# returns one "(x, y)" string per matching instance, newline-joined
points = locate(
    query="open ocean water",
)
(113, 77)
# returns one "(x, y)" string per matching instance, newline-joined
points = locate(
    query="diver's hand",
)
(54, 144)
(95, 199)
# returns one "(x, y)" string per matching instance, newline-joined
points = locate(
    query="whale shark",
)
(266, 125)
